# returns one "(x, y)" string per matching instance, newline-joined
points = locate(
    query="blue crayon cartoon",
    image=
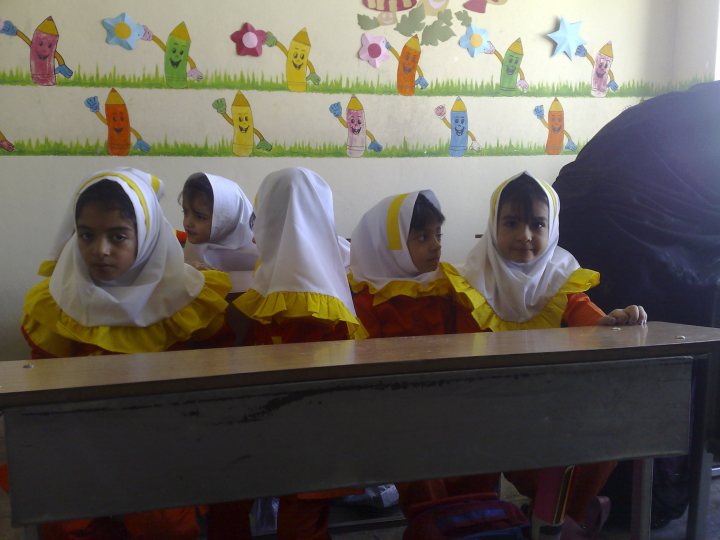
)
(458, 125)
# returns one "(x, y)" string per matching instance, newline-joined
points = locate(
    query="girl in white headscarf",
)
(400, 286)
(119, 283)
(217, 221)
(524, 280)
(299, 291)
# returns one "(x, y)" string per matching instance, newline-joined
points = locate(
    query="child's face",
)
(424, 247)
(107, 241)
(197, 219)
(518, 241)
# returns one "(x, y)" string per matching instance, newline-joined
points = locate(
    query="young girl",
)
(217, 222)
(402, 289)
(299, 293)
(120, 285)
(524, 280)
(400, 286)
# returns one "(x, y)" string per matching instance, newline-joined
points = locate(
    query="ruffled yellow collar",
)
(53, 331)
(550, 317)
(279, 306)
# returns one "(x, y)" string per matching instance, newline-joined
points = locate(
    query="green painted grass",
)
(38, 147)
(339, 85)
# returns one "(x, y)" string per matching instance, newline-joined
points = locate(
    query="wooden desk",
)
(114, 434)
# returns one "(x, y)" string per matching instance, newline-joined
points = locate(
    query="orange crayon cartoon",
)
(43, 51)
(556, 128)
(408, 66)
(117, 120)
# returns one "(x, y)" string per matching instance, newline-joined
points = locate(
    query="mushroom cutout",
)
(388, 9)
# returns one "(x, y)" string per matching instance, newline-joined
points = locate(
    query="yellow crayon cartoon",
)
(244, 130)
(297, 61)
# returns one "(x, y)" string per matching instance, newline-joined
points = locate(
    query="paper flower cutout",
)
(475, 40)
(121, 30)
(374, 49)
(248, 41)
(567, 38)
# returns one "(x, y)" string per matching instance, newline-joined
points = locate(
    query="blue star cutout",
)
(567, 38)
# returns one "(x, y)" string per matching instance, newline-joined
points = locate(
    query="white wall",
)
(37, 190)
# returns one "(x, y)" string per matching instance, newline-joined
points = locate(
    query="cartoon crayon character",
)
(244, 130)
(177, 56)
(408, 65)
(510, 68)
(355, 123)
(602, 76)
(556, 128)
(297, 61)
(43, 51)
(5, 144)
(117, 120)
(458, 125)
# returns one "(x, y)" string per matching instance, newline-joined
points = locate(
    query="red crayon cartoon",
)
(43, 51)
(117, 120)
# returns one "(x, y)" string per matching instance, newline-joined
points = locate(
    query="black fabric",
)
(641, 205)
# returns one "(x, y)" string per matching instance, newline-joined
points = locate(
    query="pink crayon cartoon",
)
(43, 51)
(602, 76)
(5, 144)
(355, 123)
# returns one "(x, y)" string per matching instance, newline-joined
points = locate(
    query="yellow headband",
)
(393, 223)
(130, 183)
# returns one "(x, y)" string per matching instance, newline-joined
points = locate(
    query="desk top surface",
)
(24, 382)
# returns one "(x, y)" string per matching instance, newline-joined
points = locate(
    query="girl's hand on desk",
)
(630, 315)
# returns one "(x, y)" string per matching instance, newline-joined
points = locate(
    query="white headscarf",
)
(67, 227)
(230, 246)
(519, 291)
(378, 248)
(295, 234)
(156, 286)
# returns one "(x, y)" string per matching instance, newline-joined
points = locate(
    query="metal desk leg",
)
(700, 459)
(641, 499)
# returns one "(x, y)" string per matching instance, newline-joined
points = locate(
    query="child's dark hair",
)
(523, 192)
(424, 214)
(110, 196)
(197, 186)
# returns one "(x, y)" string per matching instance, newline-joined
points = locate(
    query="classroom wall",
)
(659, 43)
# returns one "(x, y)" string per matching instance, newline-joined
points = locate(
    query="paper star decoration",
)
(567, 38)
